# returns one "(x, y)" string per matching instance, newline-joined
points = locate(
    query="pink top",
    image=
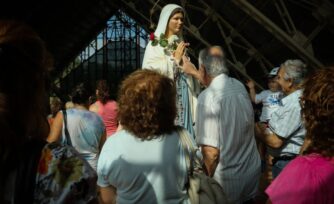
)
(307, 179)
(108, 113)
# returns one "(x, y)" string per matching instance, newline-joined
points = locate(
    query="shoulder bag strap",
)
(67, 134)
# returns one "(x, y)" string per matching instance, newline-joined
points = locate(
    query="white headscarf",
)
(164, 17)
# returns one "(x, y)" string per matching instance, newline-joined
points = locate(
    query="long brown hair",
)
(23, 64)
(103, 94)
(317, 105)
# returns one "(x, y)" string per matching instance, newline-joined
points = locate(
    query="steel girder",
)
(277, 32)
(194, 31)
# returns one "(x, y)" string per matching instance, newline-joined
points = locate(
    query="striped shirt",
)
(286, 122)
(225, 120)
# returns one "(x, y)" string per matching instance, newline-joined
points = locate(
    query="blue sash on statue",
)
(184, 112)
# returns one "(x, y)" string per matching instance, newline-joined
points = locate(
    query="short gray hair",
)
(294, 69)
(214, 65)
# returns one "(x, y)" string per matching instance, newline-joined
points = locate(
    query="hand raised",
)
(188, 67)
(250, 84)
(179, 52)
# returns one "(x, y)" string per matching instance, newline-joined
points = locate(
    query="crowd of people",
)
(130, 151)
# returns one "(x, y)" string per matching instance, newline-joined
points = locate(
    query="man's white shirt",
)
(225, 120)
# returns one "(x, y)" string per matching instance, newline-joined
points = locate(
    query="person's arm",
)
(284, 123)
(210, 159)
(270, 139)
(252, 91)
(190, 69)
(107, 195)
(307, 143)
(207, 131)
(56, 128)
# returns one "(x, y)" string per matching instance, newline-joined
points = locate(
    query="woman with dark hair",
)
(164, 53)
(33, 171)
(144, 161)
(105, 107)
(310, 178)
(80, 128)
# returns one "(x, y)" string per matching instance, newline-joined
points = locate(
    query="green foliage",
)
(154, 42)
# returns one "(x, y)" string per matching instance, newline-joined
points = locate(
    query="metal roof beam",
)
(277, 32)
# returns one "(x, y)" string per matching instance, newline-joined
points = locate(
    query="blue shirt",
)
(286, 122)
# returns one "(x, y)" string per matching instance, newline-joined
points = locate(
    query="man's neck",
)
(207, 80)
(211, 78)
(80, 106)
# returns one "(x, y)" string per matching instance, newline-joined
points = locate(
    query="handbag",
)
(201, 188)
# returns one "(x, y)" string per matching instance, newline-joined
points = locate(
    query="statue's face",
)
(175, 24)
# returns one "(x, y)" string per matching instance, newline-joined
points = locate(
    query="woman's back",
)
(108, 113)
(144, 171)
(307, 179)
(85, 129)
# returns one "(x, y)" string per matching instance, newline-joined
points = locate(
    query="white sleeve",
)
(207, 126)
(284, 122)
(259, 98)
(106, 164)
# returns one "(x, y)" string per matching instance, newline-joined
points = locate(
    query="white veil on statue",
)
(155, 57)
(164, 17)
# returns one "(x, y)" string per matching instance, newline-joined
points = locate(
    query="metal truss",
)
(115, 52)
(235, 43)
(285, 16)
(290, 36)
(223, 25)
(284, 36)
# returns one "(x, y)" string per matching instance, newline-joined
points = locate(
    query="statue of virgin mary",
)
(161, 55)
